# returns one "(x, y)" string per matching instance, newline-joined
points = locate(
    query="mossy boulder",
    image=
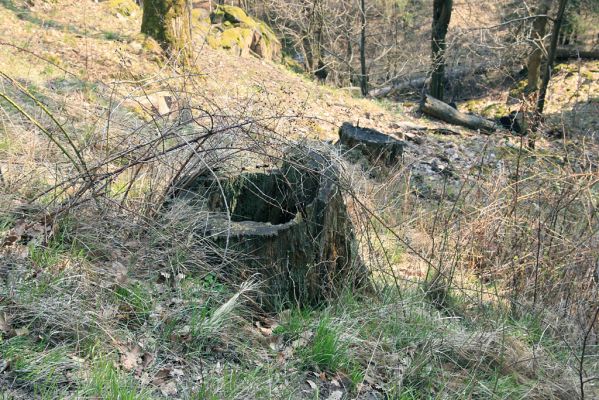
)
(124, 7)
(232, 29)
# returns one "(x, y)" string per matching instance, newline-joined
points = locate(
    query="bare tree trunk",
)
(169, 22)
(363, 73)
(551, 56)
(441, 18)
(537, 37)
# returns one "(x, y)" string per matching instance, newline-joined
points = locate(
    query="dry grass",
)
(104, 295)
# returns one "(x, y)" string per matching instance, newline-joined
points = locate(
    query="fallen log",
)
(564, 53)
(409, 84)
(438, 109)
(420, 80)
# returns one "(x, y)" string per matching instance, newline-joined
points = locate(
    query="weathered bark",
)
(551, 56)
(537, 37)
(445, 112)
(169, 22)
(441, 18)
(289, 227)
(376, 146)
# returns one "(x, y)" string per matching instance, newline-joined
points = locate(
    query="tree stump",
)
(374, 145)
(291, 227)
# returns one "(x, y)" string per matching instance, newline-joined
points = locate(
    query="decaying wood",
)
(376, 146)
(289, 227)
(564, 53)
(420, 80)
(445, 112)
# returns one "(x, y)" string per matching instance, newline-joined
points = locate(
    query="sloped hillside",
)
(480, 250)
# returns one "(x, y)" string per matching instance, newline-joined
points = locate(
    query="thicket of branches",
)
(327, 35)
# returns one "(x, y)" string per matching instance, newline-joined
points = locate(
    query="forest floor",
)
(93, 306)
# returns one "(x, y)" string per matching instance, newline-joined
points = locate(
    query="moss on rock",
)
(123, 7)
(232, 29)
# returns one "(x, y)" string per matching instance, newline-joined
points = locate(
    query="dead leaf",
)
(22, 331)
(312, 384)
(265, 331)
(281, 358)
(146, 359)
(169, 389)
(161, 376)
(5, 322)
(120, 273)
(22, 251)
(276, 343)
(131, 357)
(15, 233)
(323, 376)
(132, 243)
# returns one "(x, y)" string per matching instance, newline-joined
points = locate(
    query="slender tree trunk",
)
(441, 18)
(536, 56)
(363, 73)
(169, 22)
(551, 56)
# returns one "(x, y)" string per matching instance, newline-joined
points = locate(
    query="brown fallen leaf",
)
(161, 376)
(21, 251)
(146, 359)
(120, 273)
(265, 331)
(5, 323)
(15, 233)
(131, 357)
(312, 384)
(169, 389)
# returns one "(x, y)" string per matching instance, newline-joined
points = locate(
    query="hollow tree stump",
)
(290, 226)
(374, 145)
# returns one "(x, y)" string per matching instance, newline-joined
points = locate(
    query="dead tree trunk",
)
(416, 82)
(445, 112)
(564, 53)
(441, 18)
